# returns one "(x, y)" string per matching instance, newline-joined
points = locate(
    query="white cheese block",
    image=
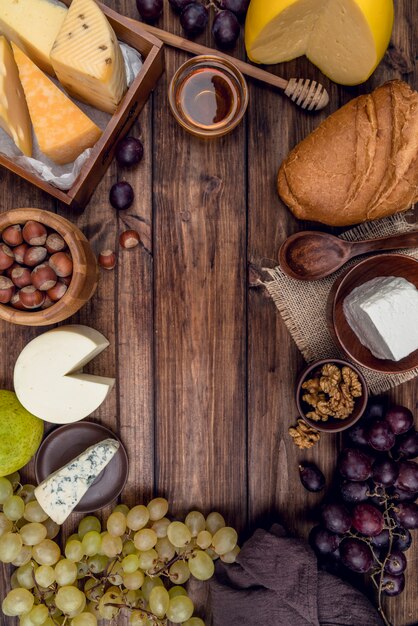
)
(60, 493)
(383, 313)
(49, 379)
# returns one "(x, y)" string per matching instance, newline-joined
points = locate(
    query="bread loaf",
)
(360, 164)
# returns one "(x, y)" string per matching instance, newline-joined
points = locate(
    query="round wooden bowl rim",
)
(66, 229)
(340, 283)
(328, 427)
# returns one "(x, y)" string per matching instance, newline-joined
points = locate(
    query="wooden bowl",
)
(85, 269)
(332, 425)
(373, 267)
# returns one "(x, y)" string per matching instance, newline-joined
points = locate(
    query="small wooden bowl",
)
(332, 425)
(85, 269)
(373, 267)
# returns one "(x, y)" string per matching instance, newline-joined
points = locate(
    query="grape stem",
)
(154, 618)
(163, 570)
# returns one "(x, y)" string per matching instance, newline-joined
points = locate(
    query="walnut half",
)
(303, 435)
(332, 393)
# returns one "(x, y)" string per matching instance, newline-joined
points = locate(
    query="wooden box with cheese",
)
(124, 114)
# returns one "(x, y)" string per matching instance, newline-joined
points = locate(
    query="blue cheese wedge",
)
(60, 493)
(383, 313)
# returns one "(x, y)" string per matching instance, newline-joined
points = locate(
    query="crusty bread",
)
(360, 164)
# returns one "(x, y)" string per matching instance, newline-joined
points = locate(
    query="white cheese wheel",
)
(48, 376)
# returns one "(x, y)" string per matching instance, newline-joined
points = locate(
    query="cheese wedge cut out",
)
(87, 58)
(346, 39)
(14, 114)
(60, 493)
(33, 25)
(48, 376)
(63, 131)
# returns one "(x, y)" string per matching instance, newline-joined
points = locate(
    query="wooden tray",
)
(138, 93)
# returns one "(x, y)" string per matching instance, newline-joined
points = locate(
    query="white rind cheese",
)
(60, 493)
(48, 377)
(383, 313)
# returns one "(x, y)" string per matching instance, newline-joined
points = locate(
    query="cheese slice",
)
(346, 39)
(60, 493)
(87, 59)
(63, 131)
(14, 114)
(33, 25)
(49, 378)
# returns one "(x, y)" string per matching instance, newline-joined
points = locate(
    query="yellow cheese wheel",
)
(346, 39)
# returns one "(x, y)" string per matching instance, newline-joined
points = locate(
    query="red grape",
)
(400, 419)
(396, 563)
(194, 18)
(380, 436)
(121, 195)
(357, 435)
(179, 5)
(381, 540)
(354, 465)
(385, 472)
(402, 539)
(407, 445)
(311, 477)
(129, 151)
(149, 10)
(406, 514)
(408, 476)
(323, 541)
(393, 585)
(239, 7)
(225, 29)
(401, 495)
(354, 491)
(356, 555)
(376, 408)
(336, 518)
(368, 520)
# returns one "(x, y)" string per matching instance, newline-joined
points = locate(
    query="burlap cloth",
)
(303, 304)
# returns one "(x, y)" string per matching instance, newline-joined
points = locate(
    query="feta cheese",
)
(60, 493)
(383, 313)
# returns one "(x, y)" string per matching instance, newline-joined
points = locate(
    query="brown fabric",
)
(276, 582)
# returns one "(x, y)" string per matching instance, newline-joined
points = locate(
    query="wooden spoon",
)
(311, 255)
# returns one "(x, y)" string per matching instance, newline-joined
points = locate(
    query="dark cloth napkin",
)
(276, 582)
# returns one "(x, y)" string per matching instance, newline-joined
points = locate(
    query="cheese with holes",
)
(346, 39)
(33, 25)
(60, 493)
(14, 114)
(49, 378)
(87, 59)
(383, 312)
(63, 131)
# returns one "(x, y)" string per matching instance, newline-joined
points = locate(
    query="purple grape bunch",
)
(194, 17)
(366, 522)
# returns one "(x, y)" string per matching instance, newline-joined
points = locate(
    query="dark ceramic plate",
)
(65, 443)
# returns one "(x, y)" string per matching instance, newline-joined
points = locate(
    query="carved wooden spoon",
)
(311, 255)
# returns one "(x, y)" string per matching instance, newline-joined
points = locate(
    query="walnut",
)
(332, 395)
(352, 380)
(331, 376)
(311, 385)
(303, 435)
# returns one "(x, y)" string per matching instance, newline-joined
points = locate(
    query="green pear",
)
(20, 434)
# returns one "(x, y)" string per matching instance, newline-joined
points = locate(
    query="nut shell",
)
(16, 303)
(62, 264)
(57, 291)
(12, 235)
(43, 277)
(129, 239)
(35, 256)
(20, 251)
(7, 289)
(31, 298)
(107, 259)
(55, 243)
(7, 257)
(34, 233)
(21, 276)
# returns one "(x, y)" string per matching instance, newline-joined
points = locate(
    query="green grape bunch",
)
(138, 562)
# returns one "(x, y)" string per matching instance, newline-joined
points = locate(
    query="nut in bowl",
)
(331, 395)
(47, 268)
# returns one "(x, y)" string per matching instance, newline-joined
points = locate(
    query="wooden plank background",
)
(205, 367)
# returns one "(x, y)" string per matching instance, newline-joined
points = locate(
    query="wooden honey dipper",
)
(306, 93)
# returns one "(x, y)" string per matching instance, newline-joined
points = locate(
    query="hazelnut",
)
(16, 303)
(19, 252)
(47, 303)
(66, 280)
(12, 235)
(57, 291)
(129, 239)
(31, 298)
(43, 277)
(6, 289)
(34, 256)
(21, 276)
(10, 269)
(107, 259)
(7, 257)
(62, 264)
(34, 233)
(55, 243)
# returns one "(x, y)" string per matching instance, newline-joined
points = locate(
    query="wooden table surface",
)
(205, 367)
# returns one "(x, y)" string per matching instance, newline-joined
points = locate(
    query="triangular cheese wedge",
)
(14, 114)
(48, 374)
(63, 131)
(87, 58)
